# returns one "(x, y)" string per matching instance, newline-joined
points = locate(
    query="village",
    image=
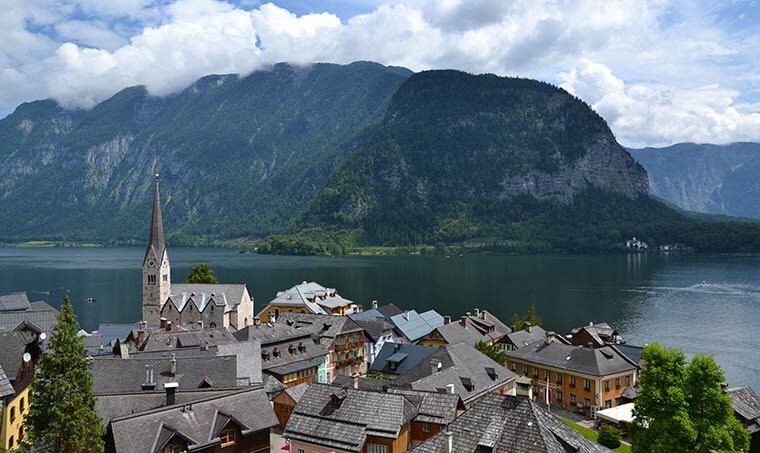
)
(312, 371)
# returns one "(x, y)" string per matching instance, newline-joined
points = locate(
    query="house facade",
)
(19, 354)
(210, 305)
(307, 297)
(579, 379)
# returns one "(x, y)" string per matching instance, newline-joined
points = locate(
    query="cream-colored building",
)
(213, 305)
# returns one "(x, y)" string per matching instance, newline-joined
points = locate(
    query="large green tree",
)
(201, 273)
(62, 415)
(682, 407)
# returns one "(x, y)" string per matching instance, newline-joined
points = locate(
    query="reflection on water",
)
(702, 304)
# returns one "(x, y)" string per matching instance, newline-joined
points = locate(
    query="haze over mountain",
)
(715, 179)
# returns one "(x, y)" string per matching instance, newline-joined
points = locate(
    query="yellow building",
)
(18, 356)
(14, 408)
(307, 297)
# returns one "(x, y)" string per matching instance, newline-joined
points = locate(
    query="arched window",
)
(212, 325)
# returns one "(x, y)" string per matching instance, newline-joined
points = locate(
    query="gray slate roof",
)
(297, 392)
(374, 329)
(501, 423)
(746, 403)
(12, 349)
(343, 418)
(41, 315)
(14, 302)
(115, 375)
(415, 325)
(200, 422)
(109, 407)
(6, 389)
(524, 337)
(230, 294)
(455, 332)
(461, 365)
(382, 313)
(312, 295)
(160, 340)
(632, 352)
(602, 361)
(432, 407)
(326, 326)
(364, 383)
(414, 355)
(248, 356)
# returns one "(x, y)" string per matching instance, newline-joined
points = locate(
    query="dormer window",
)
(175, 447)
(228, 437)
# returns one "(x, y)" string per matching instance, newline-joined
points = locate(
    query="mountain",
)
(715, 179)
(480, 158)
(238, 156)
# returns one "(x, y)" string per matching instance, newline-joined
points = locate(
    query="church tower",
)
(156, 269)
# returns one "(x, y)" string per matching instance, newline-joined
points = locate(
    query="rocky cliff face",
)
(715, 179)
(456, 147)
(237, 156)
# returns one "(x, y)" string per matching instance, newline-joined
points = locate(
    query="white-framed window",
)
(301, 450)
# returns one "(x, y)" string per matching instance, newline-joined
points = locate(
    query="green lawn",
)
(591, 434)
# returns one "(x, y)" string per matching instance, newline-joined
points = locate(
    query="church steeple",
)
(156, 269)
(156, 239)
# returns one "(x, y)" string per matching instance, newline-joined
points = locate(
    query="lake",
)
(703, 304)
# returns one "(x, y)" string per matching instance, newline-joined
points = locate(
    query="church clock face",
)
(151, 263)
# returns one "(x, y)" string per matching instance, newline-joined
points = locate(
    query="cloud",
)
(81, 52)
(642, 115)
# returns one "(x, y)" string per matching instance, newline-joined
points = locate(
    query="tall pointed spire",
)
(156, 239)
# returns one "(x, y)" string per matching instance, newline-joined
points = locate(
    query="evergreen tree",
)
(532, 317)
(61, 414)
(517, 323)
(201, 273)
(682, 407)
(492, 351)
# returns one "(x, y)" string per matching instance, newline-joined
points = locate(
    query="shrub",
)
(609, 436)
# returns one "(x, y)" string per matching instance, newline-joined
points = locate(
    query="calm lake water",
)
(703, 304)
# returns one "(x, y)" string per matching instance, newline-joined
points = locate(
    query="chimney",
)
(549, 337)
(450, 388)
(447, 319)
(163, 322)
(590, 345)
(477, 312)
(149, 383)
(171, 390)
(355, 380)
(168, 327)
(396, 347)
(256, 321)
(449, 440)
(528, 326)
(143, 326)
(463, 321)
(173, 365)
(374, 304)
(435, 366)
(483, 314)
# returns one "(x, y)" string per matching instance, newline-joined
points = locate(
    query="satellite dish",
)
(27, 357)
(43, 336)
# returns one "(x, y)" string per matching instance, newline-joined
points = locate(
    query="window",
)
(572, 398)
(547, 375)
(228, 437)
(21, 405)
(617, 383)
(606, 386)
(525, 370)
(559, 378)
(212, 325)
(10, 442)
(587, 402)
(301, 450)
(514, 367)
(151, 279)
(559, 396)
(175, 447)
(425, 427)
(608, 403)
(20, 433)
(627, 380)
(13, 416)
(165, 278)
(572, 381)
(535, 373)
(587, 384)
(377, 448)
(290, 310)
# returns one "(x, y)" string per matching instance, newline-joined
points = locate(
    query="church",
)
(199, 304)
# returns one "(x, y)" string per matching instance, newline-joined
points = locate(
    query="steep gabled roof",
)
(6, 389)
(455, 332)
(602, 361)
(14, 302)
(501, 423)
(139, 433)
(746, 403)
(156, 242)
(415, 325)
(343, 417)
(414, 355)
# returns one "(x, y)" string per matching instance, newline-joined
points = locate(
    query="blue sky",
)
(660, 71)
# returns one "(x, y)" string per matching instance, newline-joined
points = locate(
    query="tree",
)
(61, 414)
(517, 323)
(682, 407)
(492, 351)
(532, 317)
(609, 436)
(201, 273)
